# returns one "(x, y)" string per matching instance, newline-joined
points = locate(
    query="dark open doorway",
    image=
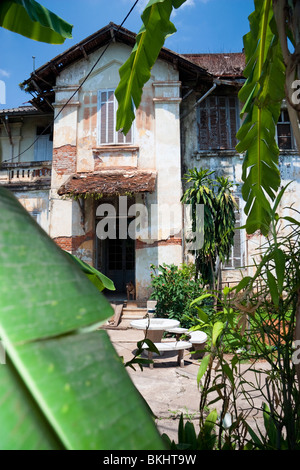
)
(115, 257)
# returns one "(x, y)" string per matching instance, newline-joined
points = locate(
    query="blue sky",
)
(202, 26)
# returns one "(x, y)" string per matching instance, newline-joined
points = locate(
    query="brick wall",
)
(72, 244)
(64, 159)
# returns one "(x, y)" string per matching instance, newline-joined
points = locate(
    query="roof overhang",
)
(43, 79)
(109, 183)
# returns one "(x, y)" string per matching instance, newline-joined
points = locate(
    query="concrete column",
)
(168, 166)
(164, 242)
(66, 215)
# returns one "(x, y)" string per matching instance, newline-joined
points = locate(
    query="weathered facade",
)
(209, 125)
(114, 200)
(26, 158)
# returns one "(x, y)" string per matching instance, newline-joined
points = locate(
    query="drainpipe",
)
(200, 100)
(216, 82)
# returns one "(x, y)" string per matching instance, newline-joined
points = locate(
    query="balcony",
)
(26, 176)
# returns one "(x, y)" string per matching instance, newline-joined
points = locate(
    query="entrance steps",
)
(131, 311)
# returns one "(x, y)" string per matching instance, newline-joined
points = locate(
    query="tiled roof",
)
(110, 182)
(20, 110)
(220, 65)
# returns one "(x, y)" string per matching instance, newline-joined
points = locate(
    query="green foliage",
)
(262, 95)
(188, 438)
(34, 21)
(135, 72)
(96, 277)
(259, 316)
(63, 385)
(174, 288)
(219, 219)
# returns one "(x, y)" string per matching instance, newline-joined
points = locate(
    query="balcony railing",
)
(26, 175)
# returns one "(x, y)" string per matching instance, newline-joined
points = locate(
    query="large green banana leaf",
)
(135, 72)
(60, 387)
(262, 95)
(30, 19)
(96, 277)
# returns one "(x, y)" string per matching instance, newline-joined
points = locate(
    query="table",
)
(154, 327)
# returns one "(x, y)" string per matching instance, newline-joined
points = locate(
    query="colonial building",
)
(114, 200)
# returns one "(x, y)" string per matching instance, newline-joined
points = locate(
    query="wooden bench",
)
(179, 346)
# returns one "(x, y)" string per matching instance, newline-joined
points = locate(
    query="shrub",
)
(174, 288)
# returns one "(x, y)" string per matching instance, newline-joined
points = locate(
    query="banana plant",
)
(62, 384)
(34, 21)
(135, 72)
(262, 95)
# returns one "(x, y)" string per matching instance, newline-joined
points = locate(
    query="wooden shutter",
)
(43, 149)
(107, 134)
(217, 123)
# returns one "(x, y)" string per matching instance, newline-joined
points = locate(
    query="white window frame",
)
(236, 262)
(293, 143)
(118, 137)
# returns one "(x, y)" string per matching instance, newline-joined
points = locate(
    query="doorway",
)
(115, 257)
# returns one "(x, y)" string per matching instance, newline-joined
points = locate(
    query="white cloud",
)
(4, 73)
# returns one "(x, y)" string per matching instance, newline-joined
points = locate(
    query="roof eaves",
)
(88, 45)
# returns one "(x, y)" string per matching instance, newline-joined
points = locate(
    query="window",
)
(236, 258)
(218, 122)
(43, 147)
(107, 108)
(285, 138)
(36, 215)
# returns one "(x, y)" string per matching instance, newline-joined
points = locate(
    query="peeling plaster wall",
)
(229, 164)
(36, 203)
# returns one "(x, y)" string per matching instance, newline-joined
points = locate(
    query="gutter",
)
(216, 82)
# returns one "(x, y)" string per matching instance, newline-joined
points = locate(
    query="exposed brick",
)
(170, 241)
(64, 159)
(72, 244)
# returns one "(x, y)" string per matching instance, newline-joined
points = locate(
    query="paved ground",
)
(168, 389)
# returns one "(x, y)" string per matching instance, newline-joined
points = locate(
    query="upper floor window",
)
(43, 147)
(218, 122)
(285, 138)
(107, 109)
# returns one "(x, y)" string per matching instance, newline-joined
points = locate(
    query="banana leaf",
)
(60, 387)
(262, 95)
(136, 71)
(96, 277)
(32, 20)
